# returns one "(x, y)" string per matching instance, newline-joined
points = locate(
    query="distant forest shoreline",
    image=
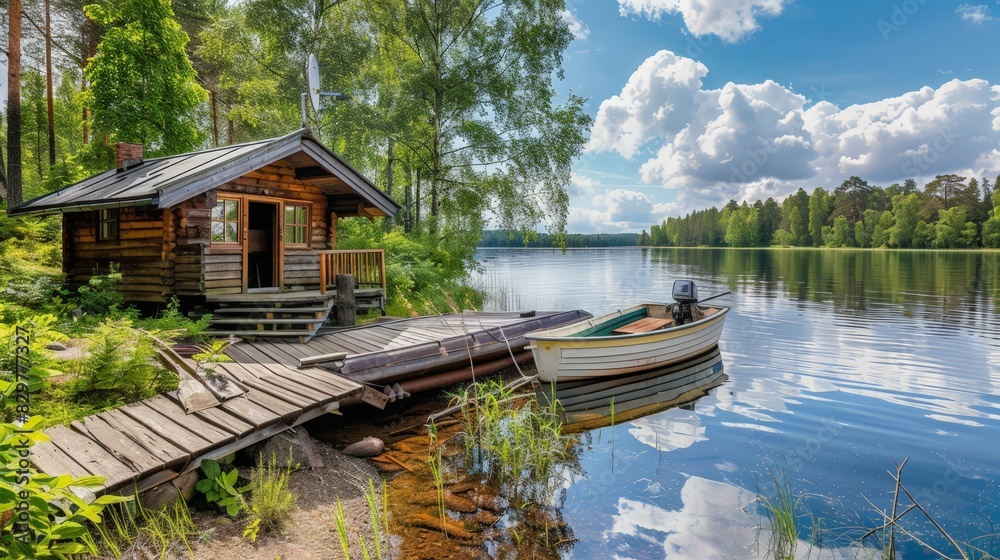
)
(949, 213)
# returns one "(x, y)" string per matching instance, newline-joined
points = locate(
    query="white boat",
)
(639, 338)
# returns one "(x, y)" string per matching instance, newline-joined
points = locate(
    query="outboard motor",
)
(686, 309)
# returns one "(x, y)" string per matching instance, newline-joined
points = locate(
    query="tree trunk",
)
(215, 119)
(14, 195)
(3, 176)
(48, 83)
(408, 206)
(390, 162)
(416, 207)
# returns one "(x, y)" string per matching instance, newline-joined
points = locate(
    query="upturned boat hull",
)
(590, 348)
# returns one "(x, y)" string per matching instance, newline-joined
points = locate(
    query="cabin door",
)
(263, 257)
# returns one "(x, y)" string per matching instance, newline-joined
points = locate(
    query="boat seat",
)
(645, 324)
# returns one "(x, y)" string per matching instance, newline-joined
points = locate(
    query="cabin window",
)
(107, 224)
(296, 224)
(226, 221)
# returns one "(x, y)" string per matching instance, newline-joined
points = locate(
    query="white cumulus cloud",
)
(576, 27)
(976, 14)
(619, 210)
(750, 141)
(730, 20)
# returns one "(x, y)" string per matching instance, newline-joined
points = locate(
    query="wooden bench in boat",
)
(645, 324)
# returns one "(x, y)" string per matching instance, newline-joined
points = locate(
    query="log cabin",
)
(244, 227)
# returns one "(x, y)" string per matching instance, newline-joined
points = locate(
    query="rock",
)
(426, 521)
(459, 504)
(461, 487)
(485, 518)
(368, 447)
(295, 443)
(185, 484)
(159, 497)
(55, 346)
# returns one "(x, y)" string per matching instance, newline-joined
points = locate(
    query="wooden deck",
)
(152, 441)
(388, 352)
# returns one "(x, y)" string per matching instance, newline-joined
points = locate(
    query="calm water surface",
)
(839, 363)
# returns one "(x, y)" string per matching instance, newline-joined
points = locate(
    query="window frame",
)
(111, 219)
(304, 226)
(238, 222)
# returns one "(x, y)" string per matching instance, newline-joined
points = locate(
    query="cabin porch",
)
(297, 312)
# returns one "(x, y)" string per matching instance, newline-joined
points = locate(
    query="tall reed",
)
(516, 445)
(436, 467)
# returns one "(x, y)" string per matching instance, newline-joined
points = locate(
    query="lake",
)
(839, 363)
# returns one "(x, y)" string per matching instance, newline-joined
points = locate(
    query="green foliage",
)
(841, 234)
(819, 211)
(742, 226)
(424, 274)
(952, 230)
(516, 446)
(906, 209)
(220, 488)
(882, 233)
(783, 510)
(991, 232)
(898, 217)
(499, 238)
(172, 323)
(214, 352)
(57, 517)
(101, 296)
(120, 366)
(130, 530)
(142, 86)
(271, 501)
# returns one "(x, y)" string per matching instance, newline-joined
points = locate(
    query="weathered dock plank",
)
(91, 456)
(119, 445)
(249, 411)
(151, 442)
(167, 428)
(221, 418)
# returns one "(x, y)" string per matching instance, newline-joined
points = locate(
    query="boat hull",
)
(560, 356)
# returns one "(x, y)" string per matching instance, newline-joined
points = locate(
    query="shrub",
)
(271, 501)
(171, 322)
(219, 488)
(120, 366)
(101, 296)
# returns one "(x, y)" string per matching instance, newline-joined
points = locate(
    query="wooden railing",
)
(366, 265)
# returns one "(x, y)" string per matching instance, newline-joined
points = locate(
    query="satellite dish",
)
(312, 75)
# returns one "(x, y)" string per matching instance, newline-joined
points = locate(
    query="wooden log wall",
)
(139, 251)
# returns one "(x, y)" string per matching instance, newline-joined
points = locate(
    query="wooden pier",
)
(143, 444)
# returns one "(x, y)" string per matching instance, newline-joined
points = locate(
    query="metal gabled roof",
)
(168, 181)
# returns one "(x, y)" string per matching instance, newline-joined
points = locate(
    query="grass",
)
(271, 501)
(379, 527)
(515, 443)
(132, 531)
(780, 507)
(436, 467)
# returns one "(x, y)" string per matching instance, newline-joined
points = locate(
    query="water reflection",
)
(592, 403)
(712, 522)
(839, 363)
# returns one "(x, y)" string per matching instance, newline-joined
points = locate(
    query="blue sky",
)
(700, 101)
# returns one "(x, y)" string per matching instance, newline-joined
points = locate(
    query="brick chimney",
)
(127, 155)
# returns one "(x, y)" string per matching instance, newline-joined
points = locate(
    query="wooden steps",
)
(297, 316)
